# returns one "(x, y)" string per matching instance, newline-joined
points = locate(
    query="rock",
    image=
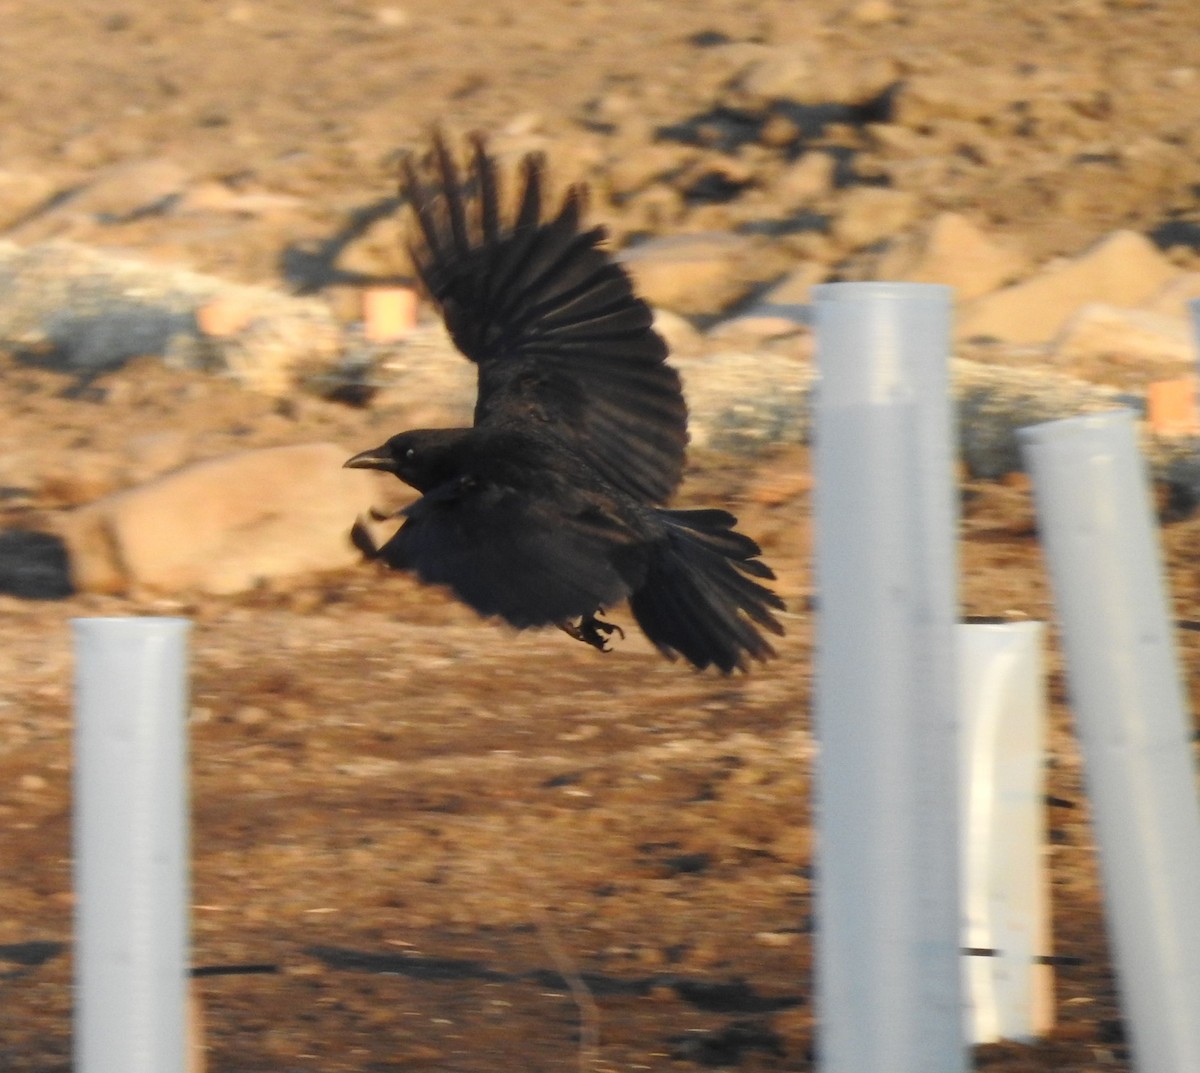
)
(114, 194)
(952, 250)
(85, 312)
(1123, 269)
(1175, 297)
(220, 198)
(377, 253)
(925, 99)
(656, 207)
(698, 273)
(781, 73)
(760, 323)
(796, 287)
(805, 77)
(871, 213)
(627, 173)
(223, 525)
(1099, 330)
(22, 194)
(153, 453)
(79, 477)
(782, 309)
(679, 332)
(873, 12)
(810, 178)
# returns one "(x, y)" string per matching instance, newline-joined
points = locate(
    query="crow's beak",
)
(375, 458)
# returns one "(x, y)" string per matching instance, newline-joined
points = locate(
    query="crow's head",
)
(423, 458)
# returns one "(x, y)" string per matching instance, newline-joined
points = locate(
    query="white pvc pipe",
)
(1096, 524)
(1005, 890)
(130, 839)
(889, 986)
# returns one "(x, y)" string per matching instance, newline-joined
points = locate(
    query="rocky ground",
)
(456, 847)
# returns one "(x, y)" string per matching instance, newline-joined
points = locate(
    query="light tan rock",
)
(807, 75)
(806, 180)
(781, 73)
(698, 273)
(678, 331)
(113, 193)
(760, 323)
(22, 193)
(1123, 269)
(152, 454)
(873, 12)
(871, 213)
(927, 98)
(1174, 298)
(223, 525)
(796, 287)
(952, 250)
(782, 309)
(1099, 330)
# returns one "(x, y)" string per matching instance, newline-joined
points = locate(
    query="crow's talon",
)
(593, 631)
(363, 541)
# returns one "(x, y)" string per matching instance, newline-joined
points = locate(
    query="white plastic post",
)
(889, 974)
(1094, 514)
(130, 836)
(1005, 892)
(1194, 306)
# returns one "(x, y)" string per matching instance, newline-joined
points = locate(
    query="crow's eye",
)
(410, 454)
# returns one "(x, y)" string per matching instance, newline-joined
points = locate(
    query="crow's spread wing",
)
(505, 553)
(550, 318)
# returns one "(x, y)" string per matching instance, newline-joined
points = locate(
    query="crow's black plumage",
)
(549, 509)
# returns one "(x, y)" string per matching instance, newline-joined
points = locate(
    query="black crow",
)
(549, 508)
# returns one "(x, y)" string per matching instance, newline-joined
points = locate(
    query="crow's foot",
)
(592, 631)
(360, 535)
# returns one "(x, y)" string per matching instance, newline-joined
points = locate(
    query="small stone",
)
(776, 939)
(810, 178)
(677, 330)
(874, 12)
(952, 250)
(698, 273)
(1175, 297)
(871, 213)
(783, 73)
(250, 715)
(1100, 330)
(21, 194)
(392, 17)
(1124, 268)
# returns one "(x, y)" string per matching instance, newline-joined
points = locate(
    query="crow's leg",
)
(361, 537)
(592, 631)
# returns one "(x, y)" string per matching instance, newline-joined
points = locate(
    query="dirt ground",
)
(456, 847)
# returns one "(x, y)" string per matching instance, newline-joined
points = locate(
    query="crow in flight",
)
(548, 510)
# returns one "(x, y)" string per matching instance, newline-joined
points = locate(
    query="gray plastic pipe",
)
(1094, 514)
(1005, 890)
(1194, 307)
(130, 838)
(889, 974)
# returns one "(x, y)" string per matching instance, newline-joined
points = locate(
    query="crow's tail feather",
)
(700, 599)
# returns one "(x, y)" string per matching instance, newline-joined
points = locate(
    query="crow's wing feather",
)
(509, 554)
(550, 319)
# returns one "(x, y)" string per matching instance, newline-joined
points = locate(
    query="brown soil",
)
(420, 819)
